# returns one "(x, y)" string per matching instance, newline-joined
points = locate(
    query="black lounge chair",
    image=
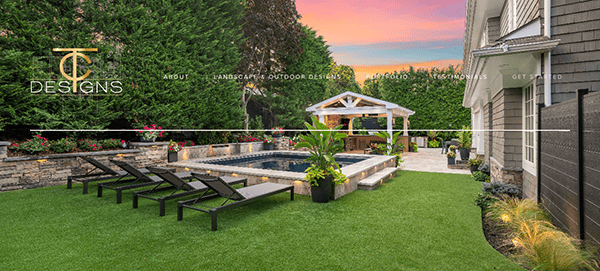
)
(141, 180)
(178, 185)
(105, 173)
(241, 196)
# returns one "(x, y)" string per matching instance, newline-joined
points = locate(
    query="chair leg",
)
(292, 194)
(119, 196)
(135, 200)
(213, 221)
(99, 191)
(85, 187)
(162, 207)
(179, 212)
(69, 183)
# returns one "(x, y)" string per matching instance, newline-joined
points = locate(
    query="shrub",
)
(498, 189)
(475, 162)
(433, 144)
(480, 177)
(187, 143)
(484, 168)
(110, 143)
(414, 146)
(513, 211)
(63, 145)
(485, 200)
(89, 145)
(248, 138)
(37, 144)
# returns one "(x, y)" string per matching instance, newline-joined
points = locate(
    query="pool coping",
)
(355, 172)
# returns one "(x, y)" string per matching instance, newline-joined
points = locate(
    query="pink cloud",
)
(360, 22)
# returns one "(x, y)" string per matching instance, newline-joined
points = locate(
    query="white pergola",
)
(353, 105)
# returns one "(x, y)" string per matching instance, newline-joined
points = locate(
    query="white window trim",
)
(528, 166)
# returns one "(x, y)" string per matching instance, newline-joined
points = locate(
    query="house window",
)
(529, 127)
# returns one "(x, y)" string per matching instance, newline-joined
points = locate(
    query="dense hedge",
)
(140, 44)
(435, 95)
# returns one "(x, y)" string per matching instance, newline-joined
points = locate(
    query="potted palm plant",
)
(323, 172)
(464, 142)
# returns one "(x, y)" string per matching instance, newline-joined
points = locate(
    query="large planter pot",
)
(172, 157)
(322, 192)
(269, 147)
(464, 154)
(451, 161)
(473, 169)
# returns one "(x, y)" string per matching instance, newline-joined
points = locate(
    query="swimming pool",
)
(278, 161)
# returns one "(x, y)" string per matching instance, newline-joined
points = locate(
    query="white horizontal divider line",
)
(288, 130)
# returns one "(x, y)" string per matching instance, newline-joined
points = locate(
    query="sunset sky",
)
(383, 35)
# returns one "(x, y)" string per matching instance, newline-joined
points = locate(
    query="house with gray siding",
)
(519, 53)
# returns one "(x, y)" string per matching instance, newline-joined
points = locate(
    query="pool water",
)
(277, 161)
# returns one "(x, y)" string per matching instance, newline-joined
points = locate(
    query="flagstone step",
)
(378, 178)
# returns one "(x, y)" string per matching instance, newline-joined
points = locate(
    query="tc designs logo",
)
(86, 87)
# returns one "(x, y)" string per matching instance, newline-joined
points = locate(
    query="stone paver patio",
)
(429, 160)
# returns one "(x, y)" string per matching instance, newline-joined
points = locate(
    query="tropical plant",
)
(465, 137)
(323, 143)
(433, 135)
(395, 145)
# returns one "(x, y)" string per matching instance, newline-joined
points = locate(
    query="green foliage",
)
(484, 168)
(89, 145)
(288, 98)
(110, 143)
(498, 189)
(475, 162)
(480, 176)
(63, 145)
(451, 154)
(484, 201)
(256, 123)
(35, 145)
(433, 144)
(435, 95)
(323, 145)
(414, 146)
(139, 45)
(341, 79)
(465, 137)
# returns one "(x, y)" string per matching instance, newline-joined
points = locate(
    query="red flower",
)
(38, 136)
(122, 141)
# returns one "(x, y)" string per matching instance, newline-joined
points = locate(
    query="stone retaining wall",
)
(24, 172)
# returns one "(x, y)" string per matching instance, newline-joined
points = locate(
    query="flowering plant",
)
(451, 154)
(277, 130)
(89, 145)
(110, 143)
(151, 133)
(269, 140)
(37, 144)
(187, 143)
(174, 146)
(292, 143)
(63, 145)
(248, 138)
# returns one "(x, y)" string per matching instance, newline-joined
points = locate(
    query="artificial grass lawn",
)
(417, 221)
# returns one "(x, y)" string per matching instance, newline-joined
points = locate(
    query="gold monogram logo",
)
(75, 52)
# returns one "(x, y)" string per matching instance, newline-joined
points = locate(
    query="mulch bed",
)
(499, 236)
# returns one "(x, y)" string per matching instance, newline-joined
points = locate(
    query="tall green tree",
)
(28, 32)
(435, 95)
(341, 79)
(288, 98)
(271, 32)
